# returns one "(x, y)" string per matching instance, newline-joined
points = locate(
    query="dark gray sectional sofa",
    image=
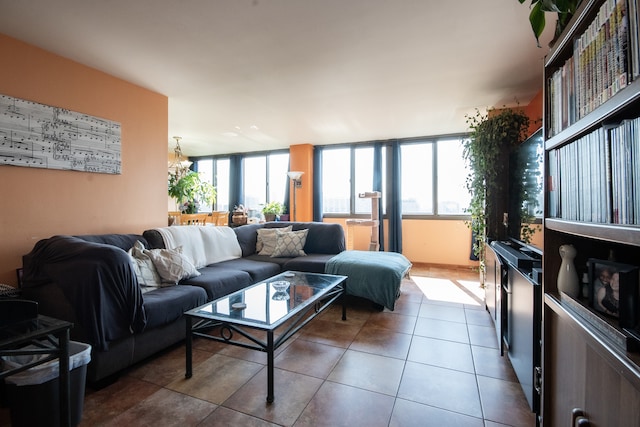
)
(90, 281)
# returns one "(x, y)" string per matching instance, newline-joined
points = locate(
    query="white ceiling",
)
(250, 75)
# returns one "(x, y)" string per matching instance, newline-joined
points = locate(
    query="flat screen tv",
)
(526, 191)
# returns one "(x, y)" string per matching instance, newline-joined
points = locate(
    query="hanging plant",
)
(486, 151)
(189, 191)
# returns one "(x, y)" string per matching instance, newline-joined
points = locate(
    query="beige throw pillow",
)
(266, 242)
(290, 244)
(172, 266)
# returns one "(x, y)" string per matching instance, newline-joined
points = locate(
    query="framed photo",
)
(613, 291)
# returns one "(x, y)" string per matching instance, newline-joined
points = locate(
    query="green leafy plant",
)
(273, 208)
(486, 151)
(563, 8)
(189, 191)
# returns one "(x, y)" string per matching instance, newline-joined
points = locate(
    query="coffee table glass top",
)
(264, 306)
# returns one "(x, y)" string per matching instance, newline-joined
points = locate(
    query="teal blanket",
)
(375, 276)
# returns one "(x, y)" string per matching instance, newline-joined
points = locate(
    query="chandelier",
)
(179, 166)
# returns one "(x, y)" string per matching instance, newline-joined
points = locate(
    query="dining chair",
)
(194, 219)
(174, 217)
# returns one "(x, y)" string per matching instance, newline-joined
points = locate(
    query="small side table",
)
(52, 337)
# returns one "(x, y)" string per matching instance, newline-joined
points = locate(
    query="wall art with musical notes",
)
(40, 136)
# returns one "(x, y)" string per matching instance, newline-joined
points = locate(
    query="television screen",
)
(526, 196)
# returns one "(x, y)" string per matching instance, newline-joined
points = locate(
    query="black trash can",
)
(34, 395)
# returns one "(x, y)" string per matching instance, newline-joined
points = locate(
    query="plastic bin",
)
(34, 395)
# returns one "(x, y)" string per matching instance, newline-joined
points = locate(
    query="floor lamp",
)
(297, 183)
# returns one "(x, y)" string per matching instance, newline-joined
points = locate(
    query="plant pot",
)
(269, 217)
(239, 218)
(284, 217)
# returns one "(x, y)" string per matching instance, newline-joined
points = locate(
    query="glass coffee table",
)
(293, 298)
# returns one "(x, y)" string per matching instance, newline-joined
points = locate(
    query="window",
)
(278, 181)
(205, 169)
(265, 179)
(255, 176)
(346, 173)
(433, 176)
(453, 196)
(216, 171)
(222, 183)
(363, 166)
(336, 180)
(417, 178)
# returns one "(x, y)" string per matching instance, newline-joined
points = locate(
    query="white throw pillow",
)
(143, 266)
(290, 244)
(172, 266)
(266, 242)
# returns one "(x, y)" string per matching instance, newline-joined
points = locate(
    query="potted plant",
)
(486, 151)
(189, 191)
(284, 216)
(271, 210)
(564, 8)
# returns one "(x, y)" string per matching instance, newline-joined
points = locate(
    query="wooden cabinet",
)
(495, 276)
(582, 372)
(592, 201)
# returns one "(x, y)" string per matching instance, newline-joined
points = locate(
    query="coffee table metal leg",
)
(189, 343)
(270, 351)
(344, 300)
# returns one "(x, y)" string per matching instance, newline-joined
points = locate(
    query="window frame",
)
(227, 157)
(386, 146)
(352, 180)
(214, 174)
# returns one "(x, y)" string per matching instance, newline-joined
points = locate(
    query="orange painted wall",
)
(301, 159)
(534, 111)
(39, 203)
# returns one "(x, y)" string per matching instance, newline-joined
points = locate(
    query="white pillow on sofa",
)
(290, 243)
(266, 242)
(143, 266)
(172, 266)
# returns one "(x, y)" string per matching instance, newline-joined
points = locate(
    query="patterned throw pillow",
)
(290, 243)
(266, 242)
(143, 266)
(172, 266)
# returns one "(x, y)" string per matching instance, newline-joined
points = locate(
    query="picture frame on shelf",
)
(613, 291)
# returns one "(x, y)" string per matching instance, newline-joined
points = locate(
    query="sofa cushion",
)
(154, 239)
(164, 305)
(218, 282)
(290, 243)
(268, 258)
(258, 270)
(313, 263)
(248, 238)
(323, 237)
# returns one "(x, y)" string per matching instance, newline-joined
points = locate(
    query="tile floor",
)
(433, 361)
